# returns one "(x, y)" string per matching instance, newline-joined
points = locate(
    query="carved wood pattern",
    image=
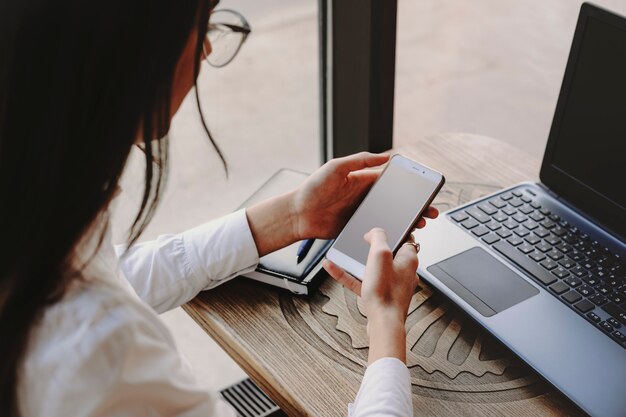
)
(309, 354)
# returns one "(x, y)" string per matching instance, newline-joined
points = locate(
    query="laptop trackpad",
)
(482, 281)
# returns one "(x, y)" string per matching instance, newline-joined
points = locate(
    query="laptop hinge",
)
(549, 191)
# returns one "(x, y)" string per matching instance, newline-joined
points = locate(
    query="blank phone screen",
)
(392, 204)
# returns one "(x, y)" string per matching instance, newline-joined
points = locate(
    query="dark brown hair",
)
(78, 80)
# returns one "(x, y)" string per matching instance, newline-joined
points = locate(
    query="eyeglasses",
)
(227, 31)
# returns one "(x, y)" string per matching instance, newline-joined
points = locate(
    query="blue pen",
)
(303, 249)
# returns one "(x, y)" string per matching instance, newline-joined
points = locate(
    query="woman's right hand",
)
(386, 291)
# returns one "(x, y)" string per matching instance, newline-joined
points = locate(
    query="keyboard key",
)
(614, 323)
(599, 272)
(545, 211)
(516, 202)
(619, 336)
(554, 254)
(500, 217)
(521, 232)
(604, 290)
(564, 248)
(460, 216)
(479, 215)
(480, 231)
(537, 256)
(616, 298)
(587, 264)
(504, 233)
(598, 299)
(519, 217)
(594, 317)
(525, 248)
(536, 216)
(571, 296)
(532, 239)
(517, 193)
(585, 290)
(554, 217)
(549, 264)
(497, 203)
(535, 205)
(560, 272)
(559, 287)
(469, 224)
(526, 199)
(493, 225)
(567, 263)
(591, 280)
(506, 196)
(616, 312)
(606, 327)
(515, 241)
(569, 238)
(553, 240)
(531, 225)
(525, 263)
(541, 232)
(572, 281)
(510, 224)
(548, 224)
(491, 238)
(578, 271)
(559, 231)
(526, 209)
(543, 247)
(584, 306)
(576, 256)
(509, 211)
(487, 208)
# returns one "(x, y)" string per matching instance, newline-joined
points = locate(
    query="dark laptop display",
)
(585, 160)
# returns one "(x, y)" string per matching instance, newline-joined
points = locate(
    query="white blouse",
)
(102, 350)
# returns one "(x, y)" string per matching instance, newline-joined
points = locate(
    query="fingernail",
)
(417, 247)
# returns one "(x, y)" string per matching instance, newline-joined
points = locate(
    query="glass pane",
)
(486, 67)
(262, 109)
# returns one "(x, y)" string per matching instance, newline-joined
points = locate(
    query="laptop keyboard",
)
(570, 264)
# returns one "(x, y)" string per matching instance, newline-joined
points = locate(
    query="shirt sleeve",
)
(171, 270)
(385, 391)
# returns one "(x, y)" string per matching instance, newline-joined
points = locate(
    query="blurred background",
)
(489, 67)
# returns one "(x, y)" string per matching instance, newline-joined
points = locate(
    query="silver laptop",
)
(542, 266)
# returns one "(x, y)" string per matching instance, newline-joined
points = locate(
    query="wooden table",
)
(309, 355)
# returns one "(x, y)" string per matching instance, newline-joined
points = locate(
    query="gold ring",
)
(415, 245)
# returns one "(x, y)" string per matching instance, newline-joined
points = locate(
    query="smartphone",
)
(395, 203)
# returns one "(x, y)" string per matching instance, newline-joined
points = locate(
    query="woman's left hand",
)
(326, 200)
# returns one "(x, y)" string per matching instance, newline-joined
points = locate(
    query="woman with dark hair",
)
(81, 82)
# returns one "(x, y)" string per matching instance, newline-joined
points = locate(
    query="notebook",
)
(279, 268)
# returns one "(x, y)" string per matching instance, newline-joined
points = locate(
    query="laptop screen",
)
(586, 156)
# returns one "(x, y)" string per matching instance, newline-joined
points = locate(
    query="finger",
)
(359, 161)
(431, 212)
(377, 238)
(342, 277)
(379, 247)
(406, 257)
(421, 223)
(365, 176)
(362, 181)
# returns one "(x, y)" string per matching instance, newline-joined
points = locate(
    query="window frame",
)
(357, 75)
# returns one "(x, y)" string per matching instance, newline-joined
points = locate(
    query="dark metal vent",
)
(249, 401)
